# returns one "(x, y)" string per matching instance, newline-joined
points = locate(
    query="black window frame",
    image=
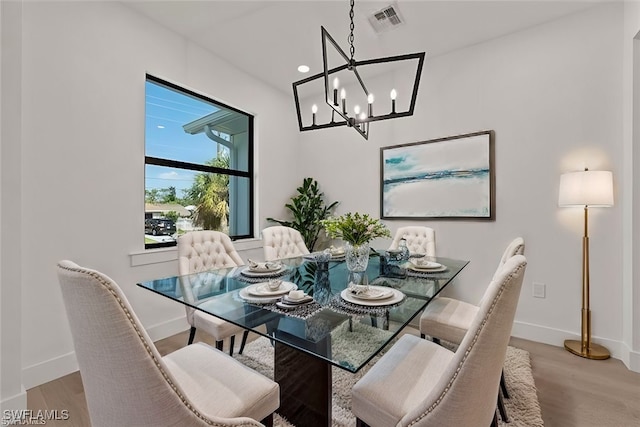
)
(149, 160)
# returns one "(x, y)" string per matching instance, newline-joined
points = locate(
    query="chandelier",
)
(351, 71)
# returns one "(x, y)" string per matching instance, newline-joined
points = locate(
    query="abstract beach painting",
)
(444, 178)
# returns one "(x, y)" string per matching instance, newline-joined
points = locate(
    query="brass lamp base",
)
(596, 351)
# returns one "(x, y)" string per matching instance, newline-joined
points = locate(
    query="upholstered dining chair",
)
(419, 383)
(200, 251)
(449, 319)
(127, 382)
(281, 242)
(421, 240)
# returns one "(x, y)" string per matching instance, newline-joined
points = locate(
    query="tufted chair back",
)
(420, 239)
(199, 251)
(206, 250)
(282, 242)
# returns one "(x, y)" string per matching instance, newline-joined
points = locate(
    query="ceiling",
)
(269, 39)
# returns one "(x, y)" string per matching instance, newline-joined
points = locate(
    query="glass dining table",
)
(339, 327)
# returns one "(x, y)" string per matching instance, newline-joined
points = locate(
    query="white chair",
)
(449, 319)
(127, 382)
(281, 242)
(420, 240)
(200, 251)
(419, 383)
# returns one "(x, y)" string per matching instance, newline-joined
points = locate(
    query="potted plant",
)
(307, 209)
(357, 231)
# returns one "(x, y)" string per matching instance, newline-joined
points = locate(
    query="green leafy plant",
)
(355, 228)
(307, 209)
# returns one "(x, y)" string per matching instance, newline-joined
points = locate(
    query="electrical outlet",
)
(539, 290)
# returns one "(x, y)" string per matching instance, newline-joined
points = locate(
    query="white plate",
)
(428, 270)
(258, 299)
(262, 289)
(396, 297)
(425, 265)
(374, 293)
(247, 272)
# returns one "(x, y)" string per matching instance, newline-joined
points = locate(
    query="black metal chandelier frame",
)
(360, 124)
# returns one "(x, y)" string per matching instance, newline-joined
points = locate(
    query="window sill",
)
(161, 255)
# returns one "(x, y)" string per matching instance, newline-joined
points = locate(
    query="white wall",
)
(631, 161)
(553, 95)
(84, 66)
(12, 393)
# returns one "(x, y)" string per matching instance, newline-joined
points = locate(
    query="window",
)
(198, 165)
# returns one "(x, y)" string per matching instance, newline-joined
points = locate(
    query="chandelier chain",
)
(352, 48)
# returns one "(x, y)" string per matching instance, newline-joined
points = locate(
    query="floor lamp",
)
(586, 189)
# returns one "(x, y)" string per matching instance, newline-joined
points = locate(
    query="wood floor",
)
(573, 392)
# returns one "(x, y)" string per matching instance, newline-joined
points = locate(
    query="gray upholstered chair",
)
(281, 242)
(419, 383)
(449, 319)
(200, 251)
(421, 240)
(127, 382)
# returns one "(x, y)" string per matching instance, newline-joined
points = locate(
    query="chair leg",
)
(494, 421)
(192, 335)
(503, 386)
(268, 421)
(219, 345)
(245, 334)
(502, 409)
(360, 423)
(232, 343)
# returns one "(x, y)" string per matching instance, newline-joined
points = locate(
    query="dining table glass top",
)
(339, 326)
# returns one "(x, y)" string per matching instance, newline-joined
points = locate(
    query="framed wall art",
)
(445, 178)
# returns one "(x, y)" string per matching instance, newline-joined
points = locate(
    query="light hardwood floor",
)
(573, 392)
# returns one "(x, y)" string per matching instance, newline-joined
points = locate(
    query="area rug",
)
(523, 408)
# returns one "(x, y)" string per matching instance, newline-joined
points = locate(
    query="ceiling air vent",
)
(386, 18)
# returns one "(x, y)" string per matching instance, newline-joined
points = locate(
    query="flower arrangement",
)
(355, 228)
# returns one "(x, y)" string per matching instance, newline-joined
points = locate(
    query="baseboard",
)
(556, 337)
(166, 329)
(13, 403)
(631, 358)
(49, 370)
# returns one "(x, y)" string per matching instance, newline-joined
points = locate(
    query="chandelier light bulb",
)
(314, 108)
(343, 94)
(336, 83)
(356, 109)
(370, 98)
(363, 116)
(393, 94)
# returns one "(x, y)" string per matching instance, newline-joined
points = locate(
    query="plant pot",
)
(357, 257)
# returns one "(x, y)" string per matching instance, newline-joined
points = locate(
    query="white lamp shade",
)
(586, 188)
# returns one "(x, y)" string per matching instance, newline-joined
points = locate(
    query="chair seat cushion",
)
(221, 386)
(399, 381)
(217, 328)
(447, 319)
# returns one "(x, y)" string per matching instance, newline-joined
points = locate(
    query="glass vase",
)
(357, 257)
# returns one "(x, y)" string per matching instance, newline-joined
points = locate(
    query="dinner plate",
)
(373, 293)
(426, 265)
(396, 297)
(262, 289)
(257, 299)
(247, 272)
(427, 270)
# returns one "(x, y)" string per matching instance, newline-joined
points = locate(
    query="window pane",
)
(186, 128)
(190, 143)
